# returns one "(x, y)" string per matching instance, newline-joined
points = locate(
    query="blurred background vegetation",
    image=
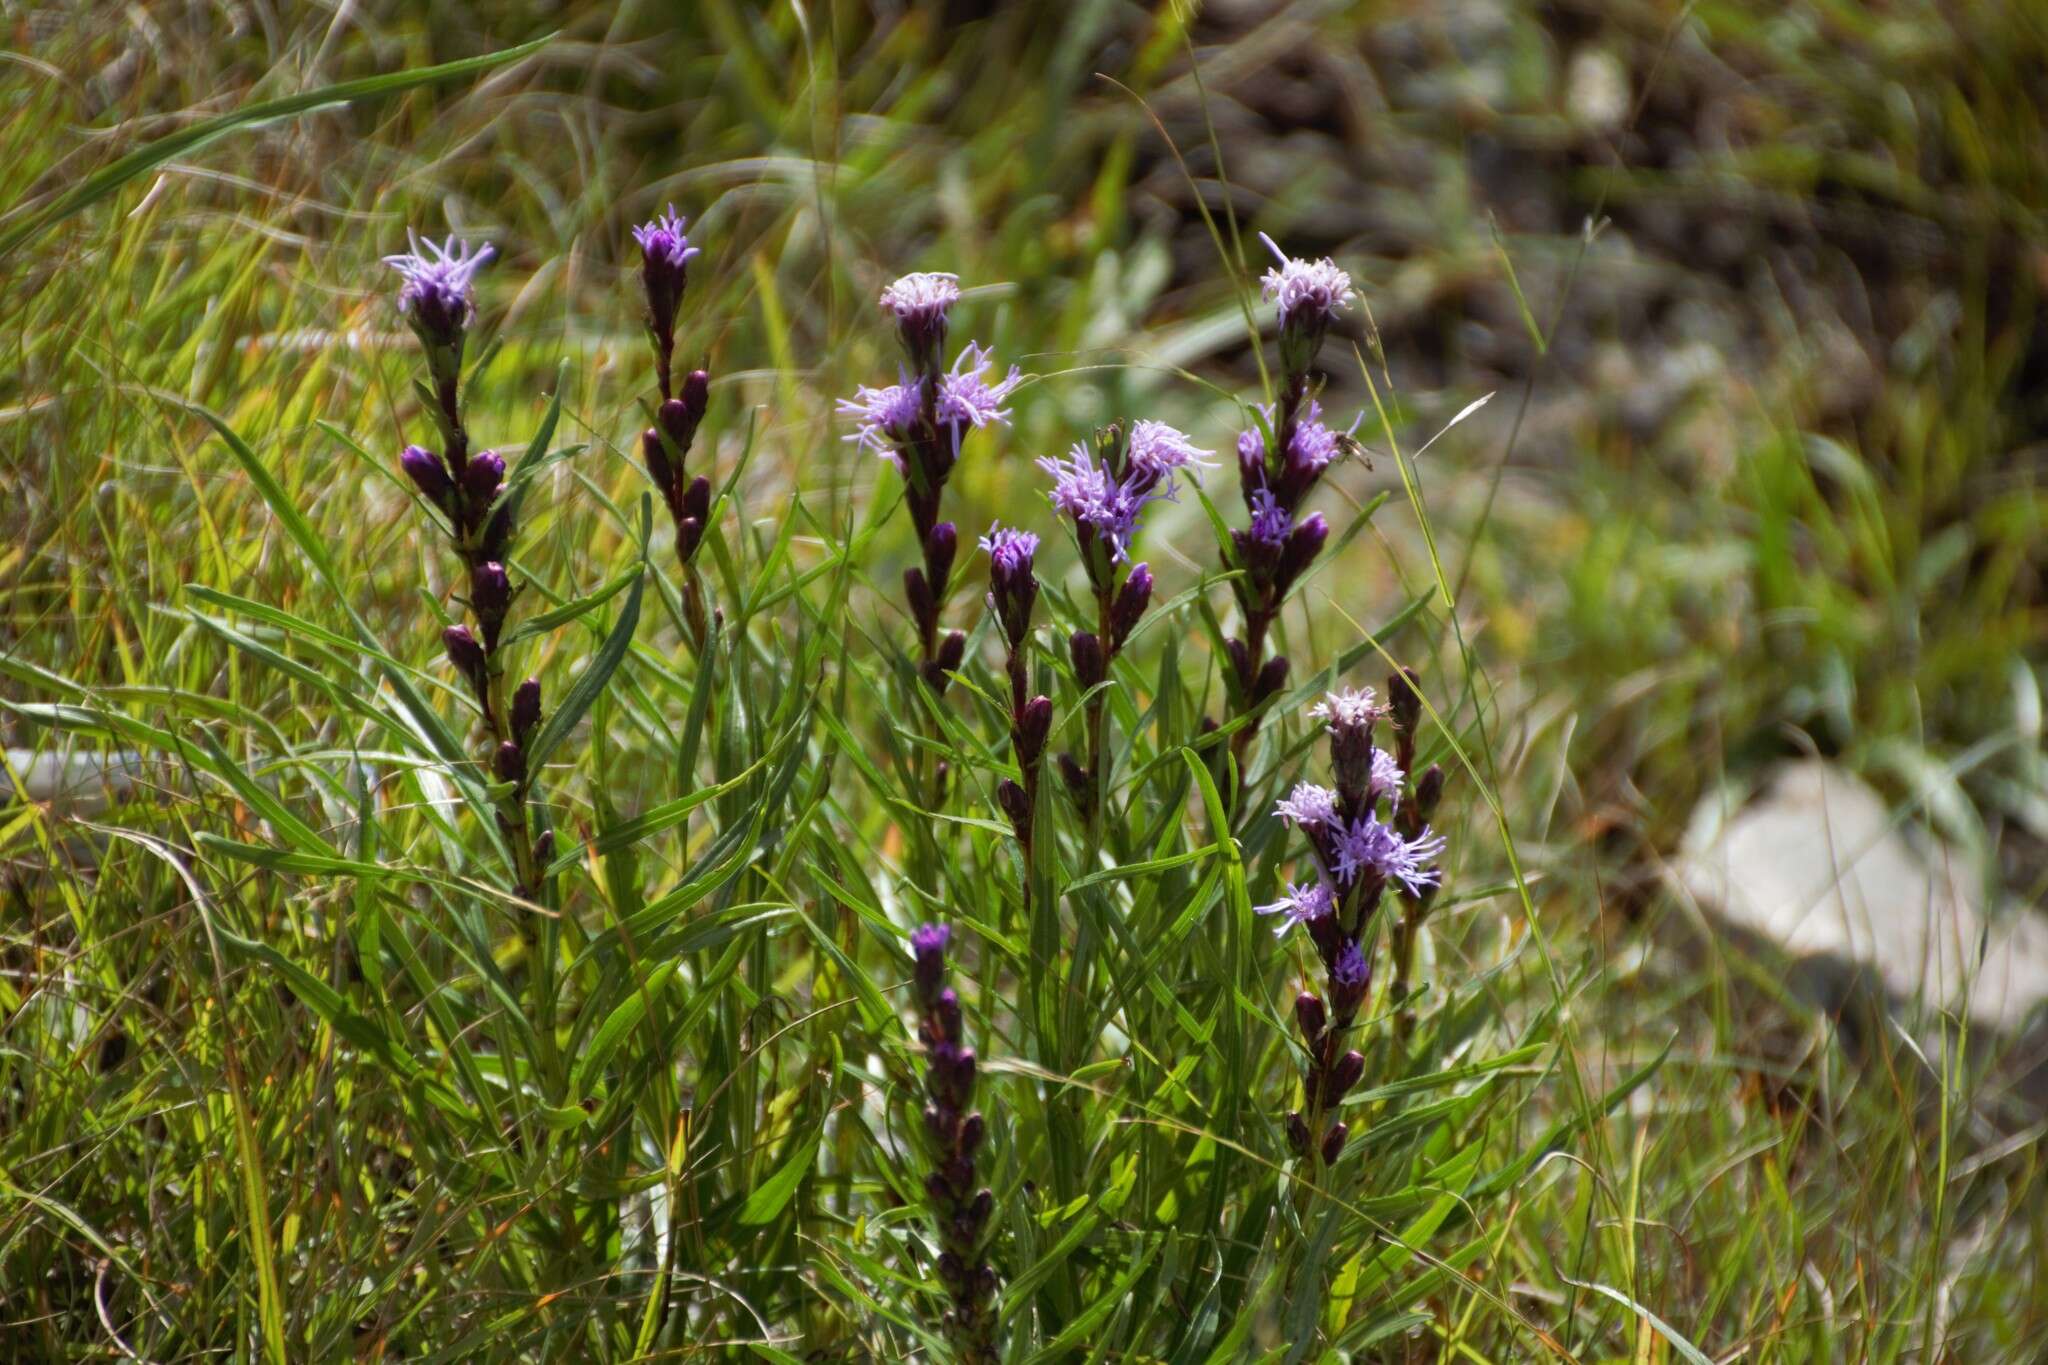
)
(1756, 288)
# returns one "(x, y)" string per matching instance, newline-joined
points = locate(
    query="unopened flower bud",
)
(1085, 649)
(696, 500)
(509, 763)
(1129, 606)
(1300, 549)
(1074, 775)
(1033, 724)
(1308, 1013)
(1337, 1084)
(525, 709)
(490, 593)
(544, 848)
(467, 656)
(659, 467)
(497, 536)
(428, 472)
(1240, 662)
(971, 1131)
(1272, 677)
(923, 609)
(1428, 791)
(1297, 1133)
(696, 395)
(481, 479)
(940, 545)
(952, 650)
(679, 423)
(1403, 701)
(928, 946)
(1016, 804)
(1333, 1142)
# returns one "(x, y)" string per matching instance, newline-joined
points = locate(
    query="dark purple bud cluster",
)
(665, 254)
(665, 446)
(1279, 463)
(1012, 592)
(961, 1207)
(918, 424)
(1367, 836)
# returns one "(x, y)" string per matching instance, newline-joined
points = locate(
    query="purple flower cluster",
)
(469, 489)
(918, 425)
(1101, 488)
(961, 1206)
(1280, 459)
(665, 254)
(1365, 840)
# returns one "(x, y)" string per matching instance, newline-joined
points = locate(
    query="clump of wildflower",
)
(1280, 460)
(1102, 487)
(1367, 837)
(470, 491)
(918, 425)
(665, 254)
(961, 1207)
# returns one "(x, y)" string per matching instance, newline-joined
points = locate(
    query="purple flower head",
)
(662, 242)
(928, 945)
(921, 302)
(884, 418)
(1012, 588)
(1369, 846)
(1308, 806)
(1270, 522)
(1349, 709)
(1009, 551)
(1251, 456)
(1310, 293)
(1352, 969)
(1158, 450)
(1386, 778)
(1303, 902)
(428, 473)
(922, 294)
(438, 294)
(1097, 504)
(967, 399)
(1313, 445)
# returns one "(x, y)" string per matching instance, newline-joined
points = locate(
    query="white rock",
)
(1817, 865)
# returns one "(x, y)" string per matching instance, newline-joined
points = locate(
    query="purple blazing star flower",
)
(920, 302)
(1303, 902)
(1313, 444)
(438, 293)
(1270, 522)
(922, 297)
(1009, 548)
(1308, 806)
(1371, 846)
(967, 399)
(1386, 779)
(1311, 292)
(1349, 709)
(662, 240)
(1099, 505)
(1352, 969)
(883, 417)
(1158, 450)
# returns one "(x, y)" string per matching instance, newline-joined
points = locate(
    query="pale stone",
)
(1817, 865)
